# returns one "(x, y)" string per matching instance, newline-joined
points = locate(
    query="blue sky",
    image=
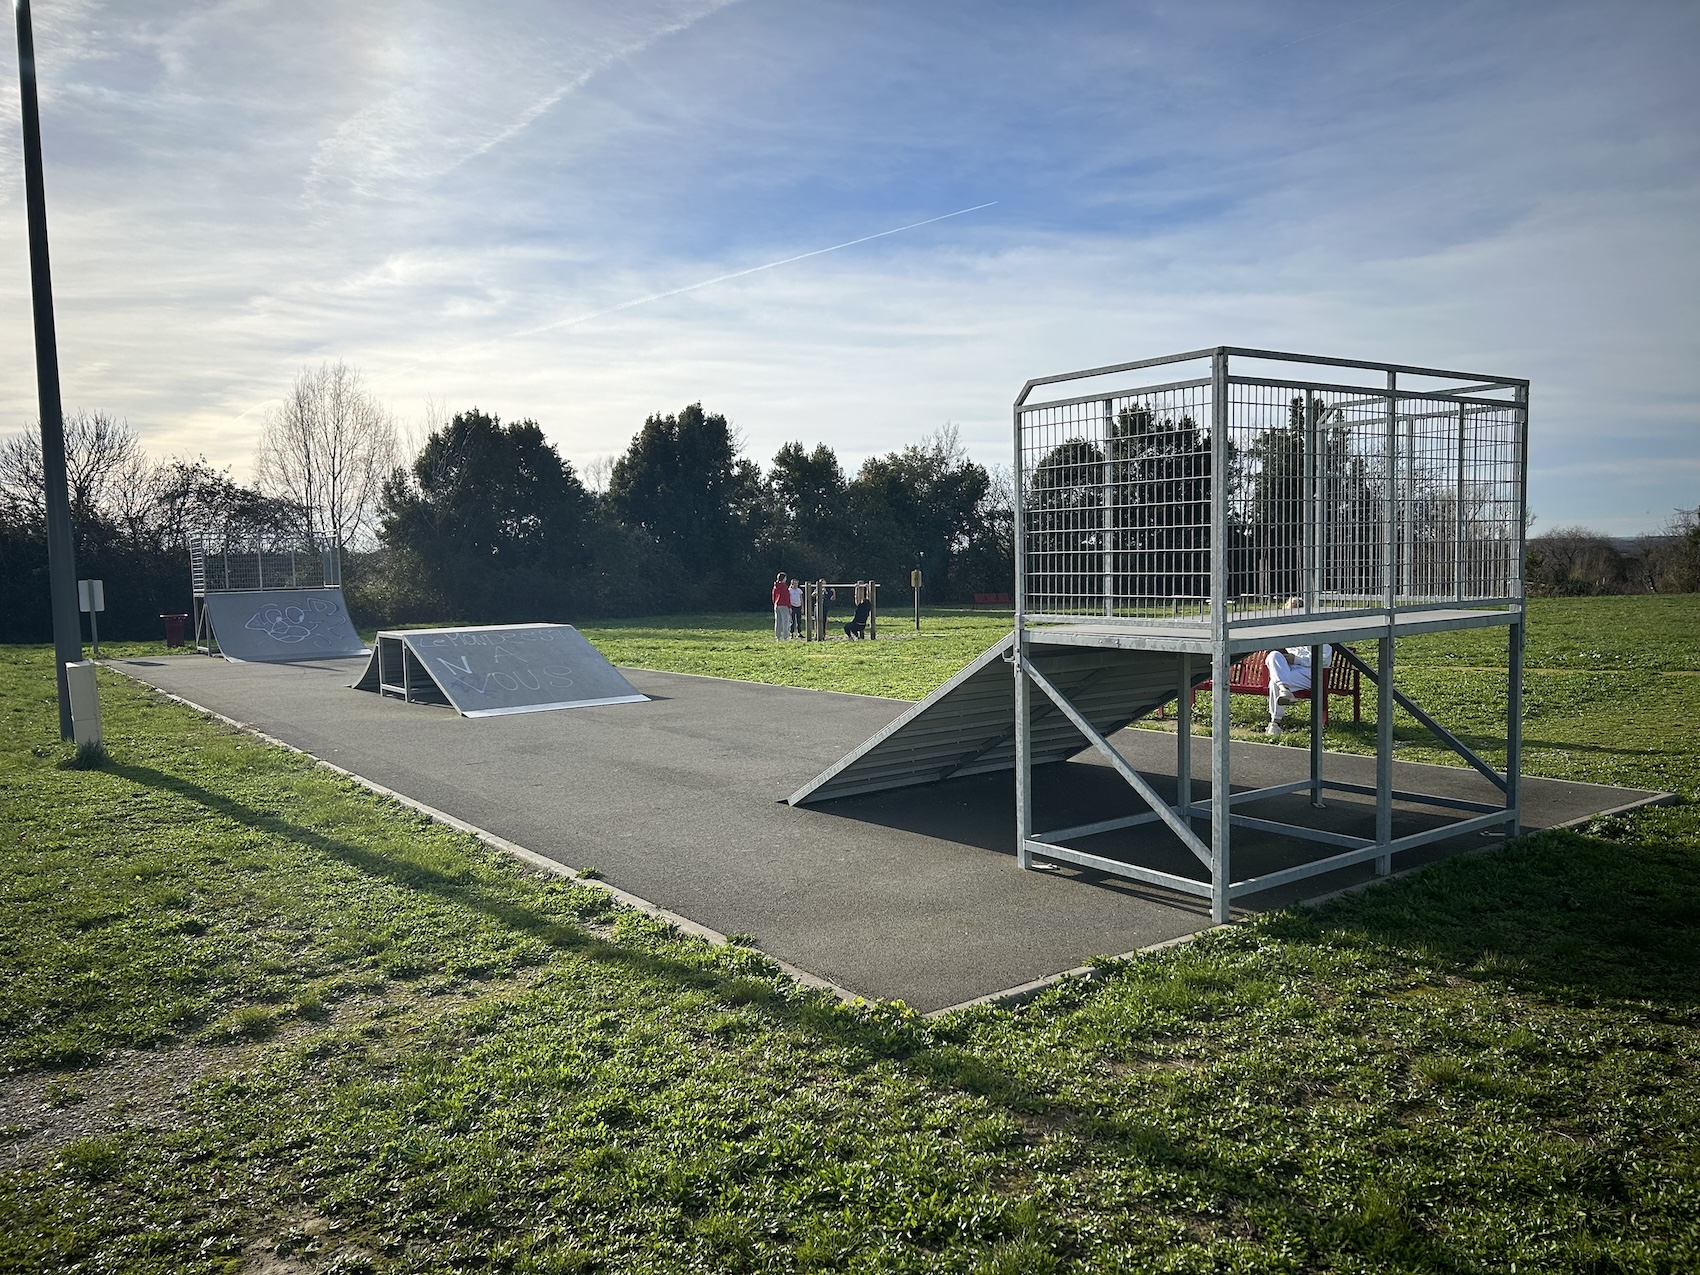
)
(441, 194)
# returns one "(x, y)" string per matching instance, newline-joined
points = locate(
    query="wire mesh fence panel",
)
(1116, 500)
(263, 562)
(1337, 499)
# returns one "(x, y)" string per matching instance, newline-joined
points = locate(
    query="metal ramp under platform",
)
(967, 726)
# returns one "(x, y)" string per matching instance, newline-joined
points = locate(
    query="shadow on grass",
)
(881, 1033)
(1557, 913)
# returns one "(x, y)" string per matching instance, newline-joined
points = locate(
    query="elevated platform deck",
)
(1263, 633)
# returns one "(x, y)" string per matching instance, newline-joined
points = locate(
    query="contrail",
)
(739, 274)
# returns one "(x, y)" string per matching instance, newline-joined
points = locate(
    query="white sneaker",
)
(1273, 729)
(1283, 694)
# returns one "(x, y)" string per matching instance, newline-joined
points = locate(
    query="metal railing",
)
(1319, 486)
(282, 562)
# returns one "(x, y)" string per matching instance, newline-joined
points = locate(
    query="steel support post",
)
(1514, 698)
(1023, 690)
(1384, 752)
(1023, 756)
(1221, 812)
(1183, 741)
(1221, 711)
(61, 550)
(1514, 733)
(1318, 714)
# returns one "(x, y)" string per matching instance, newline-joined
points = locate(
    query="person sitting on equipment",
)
(857, 628)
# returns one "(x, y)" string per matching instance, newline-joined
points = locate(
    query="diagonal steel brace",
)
(1177, 825)
(1445, 736)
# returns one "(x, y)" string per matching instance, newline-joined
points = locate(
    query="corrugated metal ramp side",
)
(967, 726)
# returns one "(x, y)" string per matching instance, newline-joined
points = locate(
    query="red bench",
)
(1249, 675)
(993, 600)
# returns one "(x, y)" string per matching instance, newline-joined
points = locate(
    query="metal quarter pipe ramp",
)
(493, 670)
(277, 626)
(967, 726)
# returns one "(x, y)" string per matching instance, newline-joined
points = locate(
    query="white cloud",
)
(241, 189)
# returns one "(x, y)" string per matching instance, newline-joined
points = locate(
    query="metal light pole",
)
(61, 554)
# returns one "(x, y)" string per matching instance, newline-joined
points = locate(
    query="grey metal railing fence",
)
(1391, 492)
(281, 562)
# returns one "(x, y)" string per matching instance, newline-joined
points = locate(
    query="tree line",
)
(1577, 562)
(488, 523)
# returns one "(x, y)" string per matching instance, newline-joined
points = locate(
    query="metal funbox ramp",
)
(967, 726)
(276, 626)
(495, 669)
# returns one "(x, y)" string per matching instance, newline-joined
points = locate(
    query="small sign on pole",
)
(91, 597)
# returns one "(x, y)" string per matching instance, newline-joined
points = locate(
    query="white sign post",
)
(91, 597)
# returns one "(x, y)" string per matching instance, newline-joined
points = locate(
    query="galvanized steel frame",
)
(1225, 629)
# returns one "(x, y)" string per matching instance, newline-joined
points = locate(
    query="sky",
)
(509, 205)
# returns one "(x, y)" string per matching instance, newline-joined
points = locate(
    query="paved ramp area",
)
(912, 894)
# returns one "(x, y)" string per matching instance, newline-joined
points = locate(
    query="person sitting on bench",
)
(1289, 672)
(857, 628)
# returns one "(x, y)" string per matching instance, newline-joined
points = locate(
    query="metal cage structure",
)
(1230, 500)
(257, 562)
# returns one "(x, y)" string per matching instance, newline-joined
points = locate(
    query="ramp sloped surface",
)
(967, 726)
(494, 670)
(277, 626)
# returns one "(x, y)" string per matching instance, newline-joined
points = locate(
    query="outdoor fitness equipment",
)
(817, 619)
(1250, 500)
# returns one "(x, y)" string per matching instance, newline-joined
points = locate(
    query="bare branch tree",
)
(106, 471)
(597, 470)
(327, 451)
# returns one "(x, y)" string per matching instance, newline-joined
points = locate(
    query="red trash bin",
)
(174, 629)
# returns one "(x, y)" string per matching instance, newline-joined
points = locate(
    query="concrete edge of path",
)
(1024, 992)
(513, 849)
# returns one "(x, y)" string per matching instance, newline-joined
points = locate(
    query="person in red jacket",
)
(781, 607)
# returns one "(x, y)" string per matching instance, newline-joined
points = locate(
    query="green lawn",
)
(254, 1018)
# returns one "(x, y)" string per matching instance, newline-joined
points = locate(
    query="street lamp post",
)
(61, 554)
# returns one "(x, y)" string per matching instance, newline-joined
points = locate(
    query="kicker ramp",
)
(494, 670)
(967, 726)
(276, 626)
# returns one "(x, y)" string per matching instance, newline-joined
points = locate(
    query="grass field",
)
(254, 1018)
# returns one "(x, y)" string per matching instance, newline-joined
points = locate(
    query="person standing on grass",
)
(781, 608)
(796, 597)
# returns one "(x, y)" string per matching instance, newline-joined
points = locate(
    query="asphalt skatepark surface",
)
(913, 893)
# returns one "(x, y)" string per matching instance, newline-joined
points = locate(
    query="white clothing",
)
(796, 596)
(1294, 674)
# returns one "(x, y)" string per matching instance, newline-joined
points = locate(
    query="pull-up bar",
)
(815, 609)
